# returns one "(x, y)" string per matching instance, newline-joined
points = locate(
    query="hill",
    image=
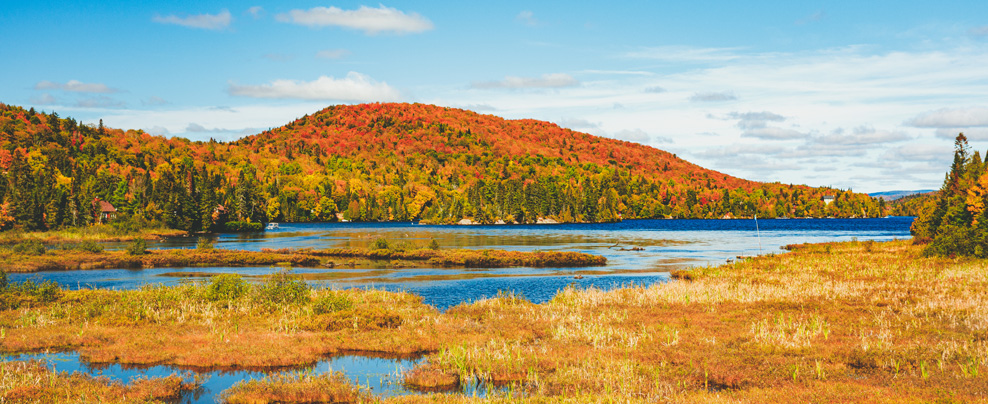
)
(371, 162)
(895, 195)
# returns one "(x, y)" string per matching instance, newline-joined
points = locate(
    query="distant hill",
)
(372, 162)
(893, 195)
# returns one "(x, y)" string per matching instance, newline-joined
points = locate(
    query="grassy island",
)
(840, 322)
(33, 257)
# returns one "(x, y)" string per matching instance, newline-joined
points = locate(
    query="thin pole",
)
(759, 234)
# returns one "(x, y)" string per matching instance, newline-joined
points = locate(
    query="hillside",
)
(896, 195)
(371, 162)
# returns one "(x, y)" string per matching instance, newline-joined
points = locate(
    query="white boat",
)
(271, 226)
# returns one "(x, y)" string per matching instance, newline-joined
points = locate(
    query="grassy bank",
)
(850, 322)
(97, 233)
(35, 257)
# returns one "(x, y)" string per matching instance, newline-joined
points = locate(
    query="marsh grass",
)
(840, 322)
(88, 255)
(96, 233)
(298, 387)
(33, 381)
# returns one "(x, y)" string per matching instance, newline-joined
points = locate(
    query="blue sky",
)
(862, 95)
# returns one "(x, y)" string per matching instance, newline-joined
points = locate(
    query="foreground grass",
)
(850, 322)
(65, 259)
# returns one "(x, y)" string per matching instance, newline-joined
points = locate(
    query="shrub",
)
(433, 245)
(4, 283)
(138, 247)
(90, 246)
(332, 302)
(30, 247)
(204, 243)
(239, 227)
(226, 287)
(286, 288)
(380, 244)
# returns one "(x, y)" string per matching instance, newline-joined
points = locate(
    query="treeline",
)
(909, 205)
(372, 162)
(955, 221)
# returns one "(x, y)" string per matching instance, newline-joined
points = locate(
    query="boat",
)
(271, 226)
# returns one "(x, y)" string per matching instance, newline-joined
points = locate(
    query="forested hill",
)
(371, 162)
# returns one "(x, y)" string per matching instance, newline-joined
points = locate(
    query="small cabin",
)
(105, 211)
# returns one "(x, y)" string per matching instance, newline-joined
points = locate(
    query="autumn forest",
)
(370, 162)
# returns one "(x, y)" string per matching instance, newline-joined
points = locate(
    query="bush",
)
(90, 246)
(239, 227)
(138, 247)
(433, 245)
(285, 288)
(4, 283)
(226, 287)
(30, 247)
(332, 302)
(380, 244)
(204, 243)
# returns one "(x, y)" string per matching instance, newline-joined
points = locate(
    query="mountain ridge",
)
(373, 162)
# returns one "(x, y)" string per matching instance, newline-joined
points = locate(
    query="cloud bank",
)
(354, 87)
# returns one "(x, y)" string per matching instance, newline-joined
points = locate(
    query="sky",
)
(855, 95)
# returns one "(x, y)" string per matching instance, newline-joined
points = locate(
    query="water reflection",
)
(381, 376)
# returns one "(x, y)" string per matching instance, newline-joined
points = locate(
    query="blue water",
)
(665, 244)
(379, 376)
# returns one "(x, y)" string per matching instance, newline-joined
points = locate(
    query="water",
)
(665, 244)
(379, 376)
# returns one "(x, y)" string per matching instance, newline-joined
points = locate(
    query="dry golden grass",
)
(850, 322)
(33, 382)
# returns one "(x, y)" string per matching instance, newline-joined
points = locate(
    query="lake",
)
(660, 246)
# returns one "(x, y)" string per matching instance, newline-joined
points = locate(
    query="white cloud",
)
(75, 86)
(577, 123)
(354, 87)
(554, 80)
(685, 54)
(153, 101)
(774, 133)
(201, 21)
(971, 133)
(757, 116)
(654, 90)
(332, 54)
(951, 118)
(527, 17)
(100, 101)
(370, 20)
(256, 11)
(863, 135)
(980, 31)
(44, 99)
(713, 97)
(158, 130)
(632, 135)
